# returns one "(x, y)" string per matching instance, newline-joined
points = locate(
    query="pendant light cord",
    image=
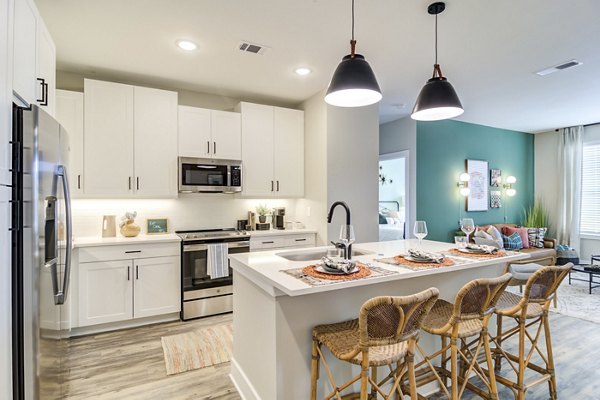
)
(352, 42)
(436, 39)
(436, 67)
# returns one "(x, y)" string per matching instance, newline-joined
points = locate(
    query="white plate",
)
(319, 268)
(420, 260)
(471, 251)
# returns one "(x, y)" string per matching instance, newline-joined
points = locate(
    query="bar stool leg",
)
(374, 377)
(490, 365)
(444, 360)
(364, 376)
(498, 357)
(410, 360)
(314, 375)
(454, 367)
(521, 373)
(552, 382)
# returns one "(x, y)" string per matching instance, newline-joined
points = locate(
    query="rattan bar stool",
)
(529, 311)
(385, 333)
(466, 321)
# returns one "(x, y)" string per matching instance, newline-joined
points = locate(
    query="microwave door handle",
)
(61, 296)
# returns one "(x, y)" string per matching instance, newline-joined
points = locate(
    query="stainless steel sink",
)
(314, 254)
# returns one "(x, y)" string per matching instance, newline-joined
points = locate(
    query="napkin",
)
(436, 258)
(345, 266)
(483, 248)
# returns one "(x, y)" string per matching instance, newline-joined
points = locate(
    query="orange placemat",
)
(363, 272)
(401, 260)
(499, 253)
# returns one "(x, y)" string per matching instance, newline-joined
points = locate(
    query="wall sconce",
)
(510, 191)
(463, 184)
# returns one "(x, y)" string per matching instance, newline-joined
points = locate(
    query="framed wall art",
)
(157, 226)
(495, 199)
(495, 177)
(478, 185)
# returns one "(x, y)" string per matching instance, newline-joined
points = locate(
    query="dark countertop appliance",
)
(279, 218)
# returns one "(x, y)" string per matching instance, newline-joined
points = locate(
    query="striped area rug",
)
(197, 349)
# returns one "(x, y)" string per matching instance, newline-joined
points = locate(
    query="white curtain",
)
(570, 149)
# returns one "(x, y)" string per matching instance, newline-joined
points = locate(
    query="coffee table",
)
(593, 270)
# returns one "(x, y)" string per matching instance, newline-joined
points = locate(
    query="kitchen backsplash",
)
(189, 211)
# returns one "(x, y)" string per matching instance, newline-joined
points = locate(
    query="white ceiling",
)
(489, 50)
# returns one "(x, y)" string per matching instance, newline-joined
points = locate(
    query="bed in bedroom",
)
(391, 224)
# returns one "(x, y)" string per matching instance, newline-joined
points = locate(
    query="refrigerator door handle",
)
(61, 296)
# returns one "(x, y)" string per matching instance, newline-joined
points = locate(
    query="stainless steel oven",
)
(198, 175)
(203, 295)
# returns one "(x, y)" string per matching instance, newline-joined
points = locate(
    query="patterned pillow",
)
(536, 237)
(513, 242)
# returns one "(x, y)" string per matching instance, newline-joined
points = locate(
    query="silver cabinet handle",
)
(137, 272)
(129, 178)
(271, 186)
(214, 147)
(132, 251)
(269, 242)
(137, 183)
(207, 147)
(78, 181)
(300, 240)
(128, 271)
(278, 186)
(61, 296)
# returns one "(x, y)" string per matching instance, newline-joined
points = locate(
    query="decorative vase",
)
(262, 219)
(130, 229)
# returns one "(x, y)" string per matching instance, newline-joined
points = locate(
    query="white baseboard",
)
(115, 326)
(241, 382)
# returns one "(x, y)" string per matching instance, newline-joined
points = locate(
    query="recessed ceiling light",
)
(303, 71)
(187, 45)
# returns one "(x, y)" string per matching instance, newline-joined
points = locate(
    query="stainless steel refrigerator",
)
(41, 254)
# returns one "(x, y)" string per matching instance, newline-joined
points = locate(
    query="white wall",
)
(313, 208)
(5, 242)
(188, 212)
(352, 168)
(397, 136)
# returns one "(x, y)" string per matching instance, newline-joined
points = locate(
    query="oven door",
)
(194, 265)
(202, 175)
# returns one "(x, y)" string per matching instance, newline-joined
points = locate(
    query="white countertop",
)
(279, 232)
(92, 241)
(264, 268)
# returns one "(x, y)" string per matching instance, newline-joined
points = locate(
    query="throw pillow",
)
(382, 219)
(496, 235)
(390, 220)
(482, 234)
(486, 242)
(513, 242)
(535, 237)
(508, 231)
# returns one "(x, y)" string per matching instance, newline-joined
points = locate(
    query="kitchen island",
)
(274, 312)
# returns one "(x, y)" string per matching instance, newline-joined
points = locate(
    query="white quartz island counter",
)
(274, 312)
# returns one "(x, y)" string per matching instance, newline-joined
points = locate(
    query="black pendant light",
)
(353, 83)
(438, 99)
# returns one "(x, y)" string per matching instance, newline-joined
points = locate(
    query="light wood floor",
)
(129, 364)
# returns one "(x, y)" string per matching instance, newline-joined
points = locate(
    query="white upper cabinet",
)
(288, 155)
(24, 47)
(272, 151)
(130, 146)
(194, 132)
(155, 142)
(209, 134)
(108, 149)
(34, 60)
(69, 113)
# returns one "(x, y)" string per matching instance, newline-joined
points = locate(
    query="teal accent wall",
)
(442, 150)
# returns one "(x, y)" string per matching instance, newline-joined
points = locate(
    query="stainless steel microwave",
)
(198, 175)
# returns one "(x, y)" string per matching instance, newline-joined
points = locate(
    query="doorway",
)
(393, 196)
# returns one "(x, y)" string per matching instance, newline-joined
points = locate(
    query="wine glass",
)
(347, 237)
(467, 226)
(420, 230)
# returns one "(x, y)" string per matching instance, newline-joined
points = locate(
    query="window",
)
(590, 189)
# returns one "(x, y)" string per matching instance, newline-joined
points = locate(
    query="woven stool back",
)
(542, 285)
(388, 320)
(479, 297)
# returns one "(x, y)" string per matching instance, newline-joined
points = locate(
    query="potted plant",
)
(535, 216)
(262, 211)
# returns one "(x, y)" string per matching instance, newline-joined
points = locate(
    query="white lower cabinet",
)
(156, 291)
(105, 292)
(112, 290)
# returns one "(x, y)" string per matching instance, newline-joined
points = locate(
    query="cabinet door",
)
(226, 135)
(69, 113)
(24, 57)
(194, 132)
(257, 150)
(155, 138)
(157, 288)
(108, 133)
(46, 67)
(105, 292)
(288, 156)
